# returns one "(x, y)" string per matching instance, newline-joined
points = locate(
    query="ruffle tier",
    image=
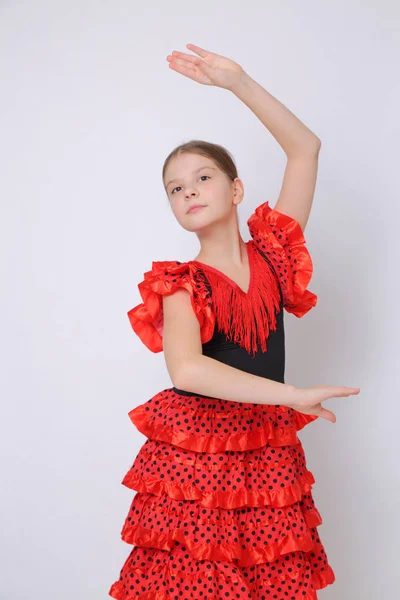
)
(248, 535)
(154, 574)
(264, 476)
(216, 425)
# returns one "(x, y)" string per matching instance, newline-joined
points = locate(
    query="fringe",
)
(246, 318)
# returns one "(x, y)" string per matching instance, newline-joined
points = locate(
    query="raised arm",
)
(300, 145)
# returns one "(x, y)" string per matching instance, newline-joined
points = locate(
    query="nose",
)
(189, 194)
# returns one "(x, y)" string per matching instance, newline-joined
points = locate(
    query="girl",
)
(224, 506)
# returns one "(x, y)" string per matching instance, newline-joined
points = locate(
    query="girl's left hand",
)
(210, 69)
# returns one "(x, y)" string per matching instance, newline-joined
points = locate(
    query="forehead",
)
(186, 165)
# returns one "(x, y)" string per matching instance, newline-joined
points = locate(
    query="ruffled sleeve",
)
(280, 239)
(164, 278)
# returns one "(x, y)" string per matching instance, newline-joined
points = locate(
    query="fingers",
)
(182, 56)
(339, 392)
(179, 61)
(189, 57)
(328, 415)
(347, 391)
(200, 51)
(181, 68)
(191, 63)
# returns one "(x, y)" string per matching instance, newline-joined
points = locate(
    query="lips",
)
(195, 207)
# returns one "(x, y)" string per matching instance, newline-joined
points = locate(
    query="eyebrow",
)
(195, 171)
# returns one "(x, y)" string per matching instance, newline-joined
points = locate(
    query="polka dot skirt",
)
(223, 507)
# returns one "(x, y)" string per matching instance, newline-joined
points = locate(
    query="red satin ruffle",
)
(164, 278)
(260, 477)
(249, 536)
(151, 574)
(281, 239)
(221, 425)
(227, 499)
(223, 551)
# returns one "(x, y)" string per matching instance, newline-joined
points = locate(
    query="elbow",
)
(180, 378)
(309, 149)
(318, 145)
(183, 377)
(313, 148)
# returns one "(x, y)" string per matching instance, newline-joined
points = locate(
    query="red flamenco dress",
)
(223, 506)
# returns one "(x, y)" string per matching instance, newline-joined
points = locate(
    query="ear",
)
(238, 190)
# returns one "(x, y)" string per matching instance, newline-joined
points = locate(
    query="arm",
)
(300, 145)
(191, 371)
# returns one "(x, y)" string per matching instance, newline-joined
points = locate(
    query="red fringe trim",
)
(267, 434)
(246, 317)
(229, 499)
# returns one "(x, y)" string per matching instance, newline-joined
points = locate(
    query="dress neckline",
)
(227, 278)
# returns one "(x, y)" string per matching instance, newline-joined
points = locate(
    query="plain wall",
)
(89, 110)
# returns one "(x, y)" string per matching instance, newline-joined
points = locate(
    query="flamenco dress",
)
(223, 506)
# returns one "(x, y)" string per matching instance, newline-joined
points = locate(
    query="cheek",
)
(179, 211)
(221, 204)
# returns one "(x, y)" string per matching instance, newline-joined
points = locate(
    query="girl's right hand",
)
(209, 69)
(308, 400)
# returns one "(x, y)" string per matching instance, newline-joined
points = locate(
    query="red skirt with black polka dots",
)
(223, 506)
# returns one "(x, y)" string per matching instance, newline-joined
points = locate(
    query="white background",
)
(89, 110)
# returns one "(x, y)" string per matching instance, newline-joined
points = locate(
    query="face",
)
(192, 179)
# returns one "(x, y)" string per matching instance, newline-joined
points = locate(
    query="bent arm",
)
(204, 375)
(191, 371)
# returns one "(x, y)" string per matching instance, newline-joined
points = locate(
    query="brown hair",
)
(218, 154)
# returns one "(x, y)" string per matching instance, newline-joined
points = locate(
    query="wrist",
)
(289, 394)
(240, 82)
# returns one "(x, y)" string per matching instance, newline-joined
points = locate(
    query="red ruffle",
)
(215, 425)
(164, 278)
(228, 499)
(265, 476)
(249, 536)
(119, 591)
(222, 551)
(152, 574)
(281, 239)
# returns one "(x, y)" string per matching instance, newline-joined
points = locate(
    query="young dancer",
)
(223, 506)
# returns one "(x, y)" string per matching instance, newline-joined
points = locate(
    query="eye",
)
(175, 188)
